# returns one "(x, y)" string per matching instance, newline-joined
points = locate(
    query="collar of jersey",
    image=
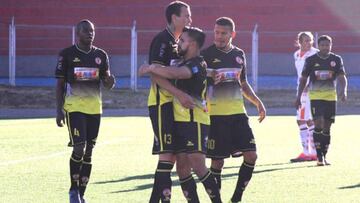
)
(85, 52)
(170, 33)
(226, 52)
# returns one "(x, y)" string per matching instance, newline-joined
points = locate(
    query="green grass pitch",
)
(34, 163)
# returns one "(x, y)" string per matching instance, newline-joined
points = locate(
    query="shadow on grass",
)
(349, 187)
(177, 183)
(130, 178)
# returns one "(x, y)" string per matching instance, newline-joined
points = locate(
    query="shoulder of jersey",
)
(97, 49)
(208, 49)
(162, 36)
(237, 50)
(68, 49)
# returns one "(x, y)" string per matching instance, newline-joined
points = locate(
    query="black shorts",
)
(229, 135)
(191, 137)
(162, 120)
(324, 109)
(83, 128)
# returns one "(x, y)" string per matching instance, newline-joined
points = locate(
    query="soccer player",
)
(80, 70)
(323, 69)
(191, 125)
(230, 133)
(163, 51)
(304, 119)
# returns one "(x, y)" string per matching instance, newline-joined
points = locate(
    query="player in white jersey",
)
(304, 118)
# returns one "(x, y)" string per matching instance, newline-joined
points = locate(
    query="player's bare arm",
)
(302, 85)
(109, 80)
(343, 87)
(168, 72)
(60, 89)
(185, 100)
(250, 95)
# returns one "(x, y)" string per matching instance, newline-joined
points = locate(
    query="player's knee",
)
(250, 157)
(168, 157)
(88, 153)
(217, 163)
(79, 150)
(310, 123)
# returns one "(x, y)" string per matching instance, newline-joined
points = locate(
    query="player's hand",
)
(343, 96)
(297, 103)
(60, 118)
(186, 101)
(144, 69)
(262, 112)
(109, 81)
(218, 78)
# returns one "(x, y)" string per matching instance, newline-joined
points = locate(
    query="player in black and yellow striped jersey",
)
(80, 70)
(163, 51)
(230, 133)
(323, 69)
(191, 125)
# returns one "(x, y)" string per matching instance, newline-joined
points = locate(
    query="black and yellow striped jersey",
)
(226, 97)
(82, 72)
(323, 73)
(196, 87)
(163, 51)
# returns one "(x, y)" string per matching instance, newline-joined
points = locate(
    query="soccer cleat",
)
(302, 157)
(83, 200)
(74, 196)
(326, 163)
(320, 163)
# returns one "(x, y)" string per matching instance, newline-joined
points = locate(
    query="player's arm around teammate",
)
(191, 125)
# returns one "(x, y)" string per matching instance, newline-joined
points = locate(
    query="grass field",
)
(34, 163)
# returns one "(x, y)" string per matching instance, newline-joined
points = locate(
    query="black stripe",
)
(191, 115)
(157, 95)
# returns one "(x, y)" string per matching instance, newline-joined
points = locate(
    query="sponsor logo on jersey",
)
(195, 69)
(333, 64)
(76, 60)
(98, 60)
(316, 65)
(216, 60)
(189, 144)
(239, 60)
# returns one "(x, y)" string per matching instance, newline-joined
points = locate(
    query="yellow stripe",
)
(78, 161)
(199, 137)
(206, 176)
(250, 166)
(160, 132)
(69, 128)
(163, 170)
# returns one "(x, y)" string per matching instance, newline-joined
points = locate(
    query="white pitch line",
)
(48, 156)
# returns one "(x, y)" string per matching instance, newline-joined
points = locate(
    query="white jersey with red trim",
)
(300, 60)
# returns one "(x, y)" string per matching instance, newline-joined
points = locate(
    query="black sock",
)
(217, 175)
(188, 186)
(84, 175)
(326, 142)
(317, 136)
(75, 164)
(245, 173)
(211, 187)
(162, 183)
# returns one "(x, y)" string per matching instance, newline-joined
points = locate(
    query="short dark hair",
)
(80, 24)
(196, 34)
(324, 38)
(226, 21)
(174, 8)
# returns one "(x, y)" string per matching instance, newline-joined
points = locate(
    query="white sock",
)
(312, 149)
(304, 134)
